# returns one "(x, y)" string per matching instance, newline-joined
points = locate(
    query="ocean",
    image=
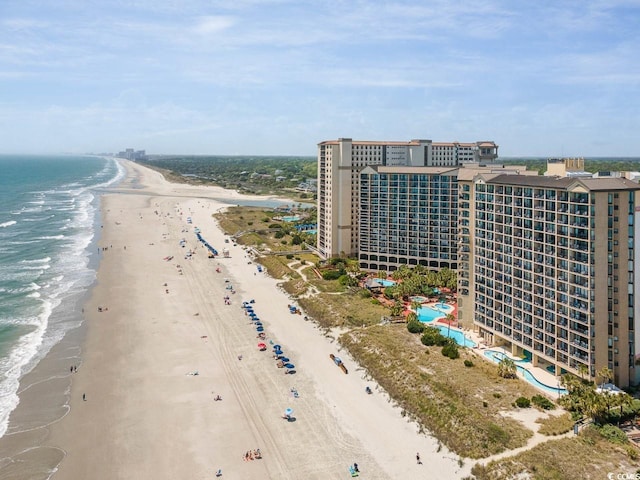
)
(49, 222)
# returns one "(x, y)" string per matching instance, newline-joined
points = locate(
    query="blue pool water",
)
(457, 336)
(292, 218)
(418, 298)
(528, 376)
(386, 283)
(429, 314)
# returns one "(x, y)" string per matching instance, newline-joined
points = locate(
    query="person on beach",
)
(418, 458)
(84, 397)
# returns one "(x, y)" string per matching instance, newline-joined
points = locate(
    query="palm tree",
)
(415, 306)
(605, 374)
(583, 370)
(507, 368)
(397, 308)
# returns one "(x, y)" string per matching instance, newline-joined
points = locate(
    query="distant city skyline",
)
(276, 77)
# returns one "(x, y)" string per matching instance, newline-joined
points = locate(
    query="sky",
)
(276, 77)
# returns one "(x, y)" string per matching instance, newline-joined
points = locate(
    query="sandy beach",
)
(146, 414)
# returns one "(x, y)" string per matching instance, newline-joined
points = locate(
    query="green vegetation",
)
(556, 425)
(507, 368)
(443, 395)
(588, 455)
(584, 401)
(254, 175)
(523, 402)
(590, 164)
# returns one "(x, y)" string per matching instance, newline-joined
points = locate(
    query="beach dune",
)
(161, 343)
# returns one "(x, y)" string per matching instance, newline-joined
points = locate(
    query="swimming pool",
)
(291, 218)
(528, 376)
(385, 283)
(429, 314)
(457, 336)
(418, 298)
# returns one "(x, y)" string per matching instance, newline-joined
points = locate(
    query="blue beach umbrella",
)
(288, 412)
(277, 347)
(284, 359)
(278, 352)
(260, 329)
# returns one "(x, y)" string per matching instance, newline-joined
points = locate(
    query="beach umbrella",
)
(278, 352)
(288, 412)
(289, 365)
(262, 345)
(260, 329)
(283, 358)
(277, 347)
(258, 324)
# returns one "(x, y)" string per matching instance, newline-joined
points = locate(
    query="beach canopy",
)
(259, 329)
(289, 365)
(262, 345)
(277, 347)
(278, 352)
(288, 411)
(283, 358)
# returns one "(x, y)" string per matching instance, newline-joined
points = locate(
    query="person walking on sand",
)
(418, 458)
(84, 397)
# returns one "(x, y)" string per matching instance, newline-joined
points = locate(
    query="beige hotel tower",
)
(547, 265)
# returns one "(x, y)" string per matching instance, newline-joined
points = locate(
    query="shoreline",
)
(146, 417)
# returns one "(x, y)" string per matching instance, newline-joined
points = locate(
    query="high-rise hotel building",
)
(340, 163)
(548, 268)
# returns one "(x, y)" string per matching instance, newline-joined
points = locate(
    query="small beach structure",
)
(338, 362)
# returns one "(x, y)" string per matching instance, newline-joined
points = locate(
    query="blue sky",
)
(275, 77)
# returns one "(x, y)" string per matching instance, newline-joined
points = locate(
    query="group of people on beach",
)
(252, 455)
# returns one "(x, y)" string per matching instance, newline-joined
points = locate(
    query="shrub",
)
(414, 326)
(331, 274)
(523, 402)
(542, 402)
(279, 234)
(266, 219)
(468, 363)
(451, 350)
(249, 223)
(432, 336)
(289, 256)
(275, 225)
(613, 434)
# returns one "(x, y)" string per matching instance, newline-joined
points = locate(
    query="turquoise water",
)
(429, 314)
(418, 298)
(292, 218)
(529, 377)
(386, 283)
(457, 335)
(48, 212)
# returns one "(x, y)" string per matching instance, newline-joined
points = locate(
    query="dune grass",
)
(587, 456)
(459, 405)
